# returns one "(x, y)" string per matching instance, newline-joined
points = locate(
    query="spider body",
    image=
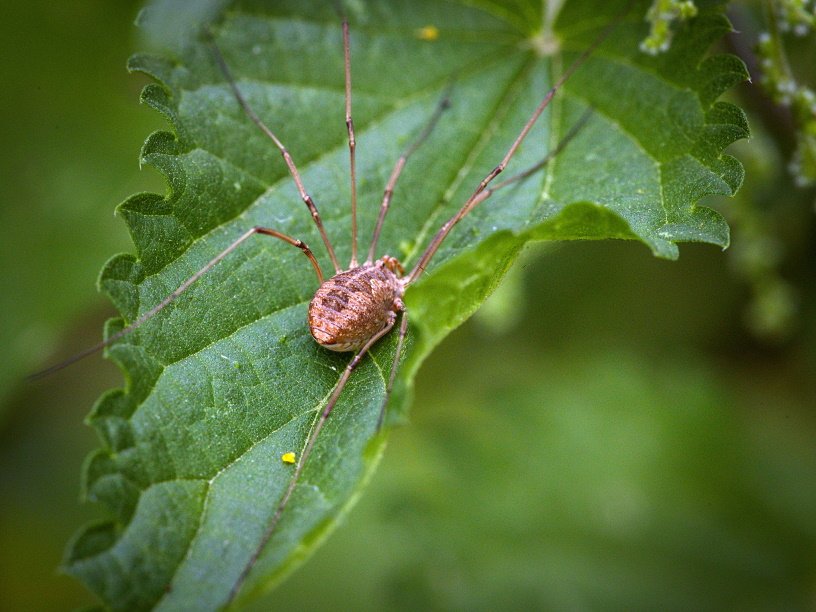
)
(353, 306)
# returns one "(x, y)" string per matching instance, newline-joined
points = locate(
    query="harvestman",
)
(356, 306)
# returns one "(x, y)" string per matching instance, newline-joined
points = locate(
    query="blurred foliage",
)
(663, 17)
(796, 18)
(772, 218)
(652, 453)
(70, 130)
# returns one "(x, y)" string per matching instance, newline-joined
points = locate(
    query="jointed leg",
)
(403, 328)
(352, 144)
(486, 193)
(304, 457)
(477, 196)
(444, 103)
(215, 260)
(307, 199)
(181, 289)
(562, 144)
(483, 193)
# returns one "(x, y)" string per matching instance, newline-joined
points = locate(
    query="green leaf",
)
(227, 379)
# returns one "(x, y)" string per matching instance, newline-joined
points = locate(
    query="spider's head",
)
(392, 264)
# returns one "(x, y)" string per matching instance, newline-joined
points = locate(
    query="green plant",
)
(226, 380)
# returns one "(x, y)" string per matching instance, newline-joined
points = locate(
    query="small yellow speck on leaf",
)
(288, 458)
(429, 32)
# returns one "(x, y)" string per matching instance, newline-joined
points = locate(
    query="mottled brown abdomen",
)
(352, 307)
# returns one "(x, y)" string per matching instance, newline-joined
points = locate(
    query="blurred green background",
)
(610, 432)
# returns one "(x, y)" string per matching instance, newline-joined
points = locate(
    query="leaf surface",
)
(227, 379)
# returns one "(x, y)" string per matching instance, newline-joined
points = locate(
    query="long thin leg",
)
(181, 289)
(562, 144)
(442, 105)
(480, 196)
(403, 329)
(475, 198)
(352, 143)
(287, 157)
(307, 450)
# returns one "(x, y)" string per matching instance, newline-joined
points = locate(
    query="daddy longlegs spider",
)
(357, 305)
